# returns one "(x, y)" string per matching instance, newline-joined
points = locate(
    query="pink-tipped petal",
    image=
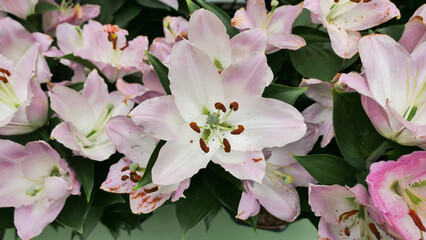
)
(253, 40)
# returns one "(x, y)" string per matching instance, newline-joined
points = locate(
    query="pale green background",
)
(163, 225)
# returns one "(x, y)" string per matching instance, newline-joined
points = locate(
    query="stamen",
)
(374, 230)
(181, 37)
(125, 168)
(125, 46)
(347, 233)
(257, 159)
(416, 220)
(220, 106)
(151, 190)
(238, 131)
(124, 177)
(133, 167)
(233, 106)
(5, 71)
(134, 177)
(347, 215)
(195, 127)
(227, 146)
(204, 146)
(4, 79)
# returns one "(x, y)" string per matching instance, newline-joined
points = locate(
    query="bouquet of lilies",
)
(313, 109)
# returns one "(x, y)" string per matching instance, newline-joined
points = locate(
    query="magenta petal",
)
(415, 30)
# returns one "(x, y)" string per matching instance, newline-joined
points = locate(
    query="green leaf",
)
(328, 169)
(218, 170)
(355, 135)
(147, 176)
(223, 16)
(192, 6)
(314, 61)
(6, 219)
(103, 198)
(283, 93)
(74, 213)
(92, 219)
(84, 62)
(209, 219)
(84, 170)
(127, 13)
(197, 205)
(276, 60)
(311, 34)
(77, 86)
(161, 71)
(153, 4)
(227, 194)
(43, 7)
(107, 9)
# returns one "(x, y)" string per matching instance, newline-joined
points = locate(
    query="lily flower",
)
(85, 116)
(16, 40)
(175, 29)
(106, 47)
(68, 13)
(172, 3)
(19, 8)
(346, 213)
(137, 146)
(398, 191)
(343, 20)
(415, 30)
(277, 24)
(321, 112)
(23, 103)
(393, 91)
(277, 193)
(36, 181)
(215, 116)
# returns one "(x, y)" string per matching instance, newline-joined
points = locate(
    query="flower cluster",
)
(210, 106)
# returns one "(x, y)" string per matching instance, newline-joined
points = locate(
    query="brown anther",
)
(257, 159)
(336, 1)
(5, 71)
(226, 145)
(374, 230)
(124, 177)
(151, 190)
(181, 37)
(347, 232)
(204, 146)
(134, 177)
(125, 46)
(112, 37)
(220, 106)
(347, 215)
(417, 220)
(336, 77)
(125, 168)
(239, 130)
(4, 79)
(233, 106)
(195, 127)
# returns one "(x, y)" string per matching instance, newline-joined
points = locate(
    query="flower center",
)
(103, 118)
(341, 6)
(367, 226)
(215, 125)
(39, 184)
(7, 93)
(277, 176)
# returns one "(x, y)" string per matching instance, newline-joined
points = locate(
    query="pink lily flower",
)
(106, 47)
(23, 104)
(16, 40)
(137, 146)
(277, 193)
(85, 115)
(172, 3)
(321, 112)
(175, 29)
(393, 91)
(69, 13)
(36, 181)
(415, 30)
(19, 8)
(276, 24)
(343, 20)
(199, 126)
(398, 191)
(346, 213)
